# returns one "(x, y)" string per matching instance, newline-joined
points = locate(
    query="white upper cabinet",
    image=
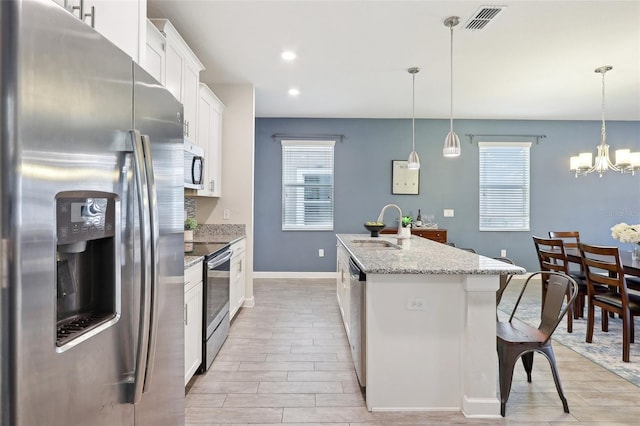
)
(122, 22)
(182, 75)
(155, 58)
(210, 139)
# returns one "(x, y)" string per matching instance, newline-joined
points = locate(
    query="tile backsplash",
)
(190, 205)
(206, 230)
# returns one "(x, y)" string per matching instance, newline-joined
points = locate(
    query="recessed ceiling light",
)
(294, 92)
(288, 55)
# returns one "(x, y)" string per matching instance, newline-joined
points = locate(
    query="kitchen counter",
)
(229, 238)
(422, 256)
(192, 260)
(429, 321)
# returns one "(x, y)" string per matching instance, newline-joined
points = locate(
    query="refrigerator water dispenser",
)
(88, 277)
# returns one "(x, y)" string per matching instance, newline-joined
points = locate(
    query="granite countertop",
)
(192, 260)
(422, 256)
(212, 238)
(219, 238)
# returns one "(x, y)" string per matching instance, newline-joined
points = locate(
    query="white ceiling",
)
(535, 60)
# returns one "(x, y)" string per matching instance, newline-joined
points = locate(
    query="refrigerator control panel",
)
(83, 216)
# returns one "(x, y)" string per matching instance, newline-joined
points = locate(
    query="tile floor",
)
(287, 361)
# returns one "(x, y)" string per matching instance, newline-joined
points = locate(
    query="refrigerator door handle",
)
(142, 187)
(155, 237)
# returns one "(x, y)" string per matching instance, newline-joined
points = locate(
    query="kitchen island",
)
(429, 321)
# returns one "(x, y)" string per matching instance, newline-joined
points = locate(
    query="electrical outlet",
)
(503, 253)
(320, 252)
(448, 213)
(416, 304)
(226, 214)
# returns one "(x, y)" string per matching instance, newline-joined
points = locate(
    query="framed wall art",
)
(403, 180)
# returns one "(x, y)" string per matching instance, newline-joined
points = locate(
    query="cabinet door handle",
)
(80, 9)
(92, 15)
(212, 185)
(186, 315)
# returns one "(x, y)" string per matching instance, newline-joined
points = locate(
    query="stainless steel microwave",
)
(193, 166)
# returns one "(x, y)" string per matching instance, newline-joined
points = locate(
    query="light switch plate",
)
(448, 212)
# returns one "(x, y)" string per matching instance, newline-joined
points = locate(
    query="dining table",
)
(630, 266)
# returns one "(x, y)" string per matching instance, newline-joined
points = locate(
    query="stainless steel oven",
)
(216, 323)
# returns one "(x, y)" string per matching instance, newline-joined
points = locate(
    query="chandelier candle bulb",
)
(623, 157)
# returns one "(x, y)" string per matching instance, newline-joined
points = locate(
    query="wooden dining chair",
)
(603, 268)
(552, 257)
(570, 240)
(515, 339)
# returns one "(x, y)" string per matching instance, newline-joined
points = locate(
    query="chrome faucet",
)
(380, 216)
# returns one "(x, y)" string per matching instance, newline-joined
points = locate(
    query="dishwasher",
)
(357, 320)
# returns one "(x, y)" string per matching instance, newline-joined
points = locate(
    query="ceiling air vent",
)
(482, 17)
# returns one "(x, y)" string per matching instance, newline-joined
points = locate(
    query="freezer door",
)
(158, 118)
(73, 111)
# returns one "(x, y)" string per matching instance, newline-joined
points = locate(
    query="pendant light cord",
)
(451, 82)
(413, 110)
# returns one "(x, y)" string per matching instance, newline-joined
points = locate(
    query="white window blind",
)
(307, 185)
(504, 186)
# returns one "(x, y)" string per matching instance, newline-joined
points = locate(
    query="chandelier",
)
(626, 161)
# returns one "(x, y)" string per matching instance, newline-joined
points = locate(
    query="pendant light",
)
(414, 160)
(451, 142)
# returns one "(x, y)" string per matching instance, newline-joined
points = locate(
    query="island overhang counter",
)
(430, 324)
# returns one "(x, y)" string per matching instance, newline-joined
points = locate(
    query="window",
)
(504, 186)
(307, 185)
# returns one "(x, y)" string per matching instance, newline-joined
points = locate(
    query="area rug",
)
(606, 348)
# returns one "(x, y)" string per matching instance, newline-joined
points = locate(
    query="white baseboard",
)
(332, 275)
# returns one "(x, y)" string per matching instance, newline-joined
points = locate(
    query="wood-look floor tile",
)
(340, 400)
(241, 357)
(204, 400)
(334, 366)
(243, 376)
(256, 349)
(276, 366)
(285, 340)
(220, 365)
(300, 387)
(233, 415)
(326, 414)
(302, 357)
(321, 376)
(224, 387)
(270, 400)
(332, 341)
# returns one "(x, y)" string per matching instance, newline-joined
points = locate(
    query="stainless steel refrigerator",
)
(91, 217)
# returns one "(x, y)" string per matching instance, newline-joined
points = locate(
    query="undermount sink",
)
(372, 244)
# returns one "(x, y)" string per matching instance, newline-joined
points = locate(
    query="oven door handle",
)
(219, 259)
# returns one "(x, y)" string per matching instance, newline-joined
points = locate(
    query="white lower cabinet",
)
(193, 298)
(237, 277)
(343, 287)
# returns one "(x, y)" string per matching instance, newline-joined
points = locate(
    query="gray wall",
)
(559, 201)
